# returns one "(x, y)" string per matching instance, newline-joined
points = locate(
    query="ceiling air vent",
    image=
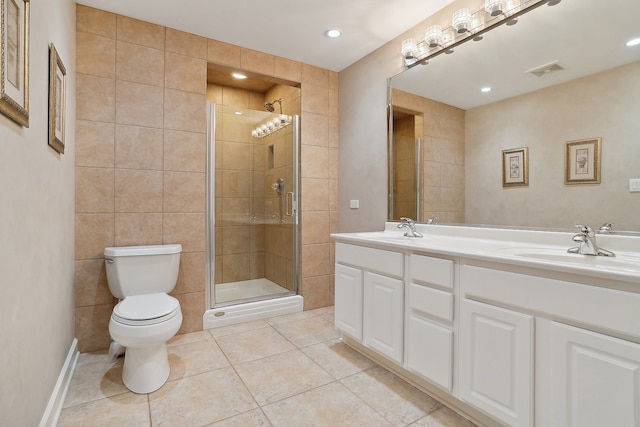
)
(545, 69)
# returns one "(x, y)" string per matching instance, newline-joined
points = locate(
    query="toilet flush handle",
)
(108, 260)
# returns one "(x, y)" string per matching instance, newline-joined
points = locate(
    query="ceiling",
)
(292, 29)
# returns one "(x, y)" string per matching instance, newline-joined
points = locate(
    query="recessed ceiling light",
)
(238, 113)
(238, 76)
(333, 33)
(485, 89)
(633, 42)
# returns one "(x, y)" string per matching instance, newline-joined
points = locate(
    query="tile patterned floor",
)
(289, 370)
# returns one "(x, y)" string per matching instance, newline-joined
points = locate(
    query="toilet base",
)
(145, 369)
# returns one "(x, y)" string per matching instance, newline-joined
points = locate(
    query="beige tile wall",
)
(404, 171)
(140, 158)
(442, 154)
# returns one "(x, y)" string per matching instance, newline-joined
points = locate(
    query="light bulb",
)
(433, 36)
(461, 20)
(495, 7)
(409, 48)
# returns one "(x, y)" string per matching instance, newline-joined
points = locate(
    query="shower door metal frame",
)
(210, 225)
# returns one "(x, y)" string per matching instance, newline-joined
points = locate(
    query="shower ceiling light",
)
(466, 24)
(333, 33)
(238, 76)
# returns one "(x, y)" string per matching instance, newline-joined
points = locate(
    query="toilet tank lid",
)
(143, 250)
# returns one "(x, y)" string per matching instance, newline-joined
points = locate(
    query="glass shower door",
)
(253, 218)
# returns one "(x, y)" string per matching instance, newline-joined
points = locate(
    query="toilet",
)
(146, 316)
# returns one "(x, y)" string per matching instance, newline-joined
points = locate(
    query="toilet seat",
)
(149, 309)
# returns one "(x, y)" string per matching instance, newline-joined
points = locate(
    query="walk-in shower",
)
(252, 252)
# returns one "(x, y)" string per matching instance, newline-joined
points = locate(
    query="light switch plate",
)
(634, 185)
(354, 204)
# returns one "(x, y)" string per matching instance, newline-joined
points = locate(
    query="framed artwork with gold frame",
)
(515, 167)
(582, 161)
(14, 60)
(57, 100)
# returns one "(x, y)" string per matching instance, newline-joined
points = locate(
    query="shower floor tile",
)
(284, 371)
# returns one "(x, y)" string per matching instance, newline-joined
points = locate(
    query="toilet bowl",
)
(146, 317)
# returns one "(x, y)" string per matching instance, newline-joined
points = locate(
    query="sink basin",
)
(562, 256)
(385, 235)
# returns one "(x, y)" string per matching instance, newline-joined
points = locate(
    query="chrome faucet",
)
(408, 223)
(433, 220)
(587, 245)
(606, 228)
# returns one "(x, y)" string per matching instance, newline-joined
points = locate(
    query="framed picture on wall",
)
(582, 161)
(14, 55)
(57, 98)
(515, 167)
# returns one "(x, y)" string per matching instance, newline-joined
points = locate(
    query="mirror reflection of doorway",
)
(404, 164)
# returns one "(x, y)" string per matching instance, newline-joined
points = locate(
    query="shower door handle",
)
(288, 204)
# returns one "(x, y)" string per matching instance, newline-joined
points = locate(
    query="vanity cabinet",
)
(430, 311)
(348, 304)
(507, 341)
(383, 315)
(595, 379)
(496, 361)
(369, 290)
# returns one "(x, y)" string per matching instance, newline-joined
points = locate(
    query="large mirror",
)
(561, 75)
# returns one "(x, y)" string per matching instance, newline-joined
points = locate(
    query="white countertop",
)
(527, 248)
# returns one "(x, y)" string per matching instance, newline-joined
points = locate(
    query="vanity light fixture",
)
(238, 76)
(633, 42)
(466, 24)
(333, 33)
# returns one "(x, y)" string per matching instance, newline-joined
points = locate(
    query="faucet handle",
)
(585, 229)
(406, 220)
(433, 220)
(606, 228)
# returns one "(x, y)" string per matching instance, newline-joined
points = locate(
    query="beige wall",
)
(603, 105)
(363, 128)
(140, 163)
(36, 229)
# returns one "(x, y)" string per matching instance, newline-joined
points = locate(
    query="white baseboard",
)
(54, 407)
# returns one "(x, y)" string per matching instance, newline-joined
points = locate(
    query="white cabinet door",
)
(595, 379)
(430, 350)
(496, 361)
(348, 300)
(383, 315)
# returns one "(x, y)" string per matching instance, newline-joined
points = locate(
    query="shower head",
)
(269, 105)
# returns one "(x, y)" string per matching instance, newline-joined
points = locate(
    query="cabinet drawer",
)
(431, 301)
(435, 271)
(376, 260)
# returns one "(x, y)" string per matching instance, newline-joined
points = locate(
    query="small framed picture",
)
(57, 98)
(14, 55)
(515, 167)
(582, 161)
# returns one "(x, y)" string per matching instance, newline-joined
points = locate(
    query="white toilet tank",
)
(138, 270)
